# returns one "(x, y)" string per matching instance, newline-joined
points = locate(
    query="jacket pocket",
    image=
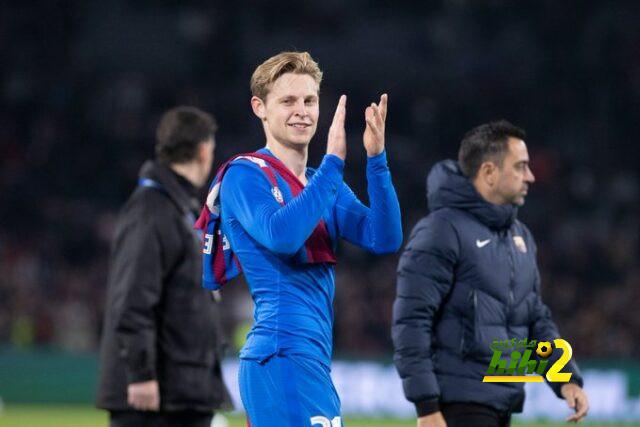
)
(489, 324)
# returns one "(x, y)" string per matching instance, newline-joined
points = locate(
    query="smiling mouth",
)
(299, 125)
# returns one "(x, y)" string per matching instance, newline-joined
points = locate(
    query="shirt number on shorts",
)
(324, 422)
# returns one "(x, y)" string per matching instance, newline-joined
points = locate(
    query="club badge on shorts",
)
(519, 242)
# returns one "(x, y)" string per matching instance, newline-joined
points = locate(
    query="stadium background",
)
(83, 84)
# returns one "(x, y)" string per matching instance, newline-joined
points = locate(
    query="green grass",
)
(84, 416)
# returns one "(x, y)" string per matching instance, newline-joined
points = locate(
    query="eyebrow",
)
(285, 97)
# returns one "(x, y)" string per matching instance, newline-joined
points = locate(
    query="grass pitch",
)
(85, 416)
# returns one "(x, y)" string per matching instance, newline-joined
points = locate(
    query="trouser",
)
(288, 391)
(474, 415)
(133, 418)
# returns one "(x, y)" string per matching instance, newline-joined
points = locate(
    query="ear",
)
(205, 149)
(258, 107)
(487, 173)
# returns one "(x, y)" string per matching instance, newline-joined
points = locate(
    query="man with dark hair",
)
(161, 343)
(489, 141)
(467, 277)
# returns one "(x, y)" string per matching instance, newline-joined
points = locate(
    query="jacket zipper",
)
(511, 276)
(473, 297)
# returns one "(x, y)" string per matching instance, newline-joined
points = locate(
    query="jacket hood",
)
(447, 187)
(170, 183)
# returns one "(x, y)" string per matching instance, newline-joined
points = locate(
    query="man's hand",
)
(144, 396)
(576, 399)
(375, 117)
(432, 420)
(337, 140)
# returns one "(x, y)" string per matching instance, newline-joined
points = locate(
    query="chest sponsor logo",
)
(482, 243)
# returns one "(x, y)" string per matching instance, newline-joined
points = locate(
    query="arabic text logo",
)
(521, 364)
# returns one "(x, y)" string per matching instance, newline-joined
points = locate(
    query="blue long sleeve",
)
(377, 228)
(281, 229)
(293, 300)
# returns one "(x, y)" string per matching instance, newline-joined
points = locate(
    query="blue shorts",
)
(288, 391)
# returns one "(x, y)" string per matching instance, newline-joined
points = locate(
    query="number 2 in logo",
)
(554, 374)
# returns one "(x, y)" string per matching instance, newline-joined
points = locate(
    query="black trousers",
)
(160, 419)
(473, 415)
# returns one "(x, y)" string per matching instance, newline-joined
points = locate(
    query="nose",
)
(301, 108)
(529, 177)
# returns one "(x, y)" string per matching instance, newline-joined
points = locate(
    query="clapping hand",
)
(375, 116)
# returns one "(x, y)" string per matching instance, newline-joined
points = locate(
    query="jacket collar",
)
(170, 182)
(447, 187)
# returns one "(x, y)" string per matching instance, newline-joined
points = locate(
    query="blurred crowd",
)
(83, 84)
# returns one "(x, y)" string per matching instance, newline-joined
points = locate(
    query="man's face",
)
(514, 177)
(290, 110)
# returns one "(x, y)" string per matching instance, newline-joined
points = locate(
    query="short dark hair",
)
(486, 142)
(179, 133)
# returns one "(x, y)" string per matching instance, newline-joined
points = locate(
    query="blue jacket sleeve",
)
(377, 228)
(424, 279)
(246, 192)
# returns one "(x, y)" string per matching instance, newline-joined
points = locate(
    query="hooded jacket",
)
(159, 322)
(467, 276)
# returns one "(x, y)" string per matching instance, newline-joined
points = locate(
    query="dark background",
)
(83, 84)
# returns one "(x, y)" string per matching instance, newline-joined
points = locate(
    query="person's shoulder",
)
(148, 205)
(243, 180)
(244, 171)
(148, 198)
(445, 217)
(434, 230)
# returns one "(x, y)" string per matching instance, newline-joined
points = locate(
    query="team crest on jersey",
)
(277, 194)
(519, 242)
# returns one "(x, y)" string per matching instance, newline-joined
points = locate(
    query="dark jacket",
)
(467, 276)
(159, 322)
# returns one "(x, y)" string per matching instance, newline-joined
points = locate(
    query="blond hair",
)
(285, 62)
